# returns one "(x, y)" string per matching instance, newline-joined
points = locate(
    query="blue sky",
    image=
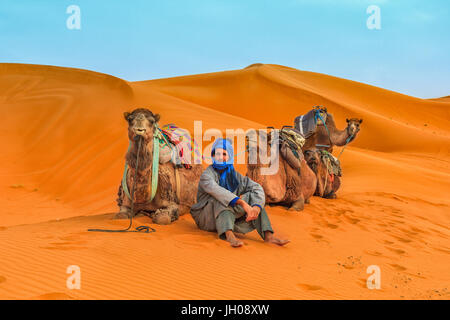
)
(143, 39)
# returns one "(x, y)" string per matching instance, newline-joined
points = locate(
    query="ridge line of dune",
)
(206, 108)
(87, 76)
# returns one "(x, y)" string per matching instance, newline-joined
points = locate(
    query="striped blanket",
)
(182, 142)
(306, 124)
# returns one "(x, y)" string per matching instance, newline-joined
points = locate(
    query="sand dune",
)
(393, 122)
(63, 141)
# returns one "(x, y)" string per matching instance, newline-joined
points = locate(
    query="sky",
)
(142, 39)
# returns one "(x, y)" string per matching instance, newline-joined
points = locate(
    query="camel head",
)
(141, 122)
(312, 158)
(353, 126)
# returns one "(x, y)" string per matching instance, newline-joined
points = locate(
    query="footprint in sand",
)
(351, 262)
(398, 267)
(310, 287)
(374, 253)
(352, 220)
(2, 279)
(344, 211)
(69, 238)
(447, 251)
(53, 296)
(397, 251)
(72, 245)
(419, 230)
(403, 239)
(363, 282)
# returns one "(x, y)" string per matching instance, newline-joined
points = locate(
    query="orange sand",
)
(63, 141)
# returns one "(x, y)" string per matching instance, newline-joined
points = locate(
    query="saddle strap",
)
(177, 179)
(155, 169)
(155, 165)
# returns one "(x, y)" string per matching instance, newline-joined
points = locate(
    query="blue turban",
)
(228, 178)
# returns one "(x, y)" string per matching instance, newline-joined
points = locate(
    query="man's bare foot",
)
(269, 238)
(232, 239)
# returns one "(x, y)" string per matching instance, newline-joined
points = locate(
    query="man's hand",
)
(254, 214)
(245, 206)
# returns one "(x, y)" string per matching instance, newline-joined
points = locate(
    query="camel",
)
(327, 184)
(321, 139)
(291, 185)
(168, 202)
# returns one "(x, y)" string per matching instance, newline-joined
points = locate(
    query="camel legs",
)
(298, 205)
(160, 216)
(331, 195)
(335, 186)
(165, 215)
(123, 213)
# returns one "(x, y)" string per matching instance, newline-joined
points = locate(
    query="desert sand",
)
(63, 141)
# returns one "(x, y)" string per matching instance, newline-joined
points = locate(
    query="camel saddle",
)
(290, 144)
(331, 162)
(306, 124)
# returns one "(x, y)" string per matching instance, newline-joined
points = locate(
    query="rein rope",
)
(155, 166)
(144, 229)
(318, 116)
(350, 138)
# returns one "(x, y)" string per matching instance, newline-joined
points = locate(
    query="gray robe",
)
(212, 199)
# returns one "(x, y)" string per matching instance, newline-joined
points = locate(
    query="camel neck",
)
(145, 155)
(339, 137)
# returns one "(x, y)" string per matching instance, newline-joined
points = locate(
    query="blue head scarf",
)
(228, 178)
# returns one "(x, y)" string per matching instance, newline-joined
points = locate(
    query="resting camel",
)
(168, 202)
(290, 185)
(336, 137)
(327, 184)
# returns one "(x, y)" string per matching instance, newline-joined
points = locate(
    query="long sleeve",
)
(208, 184)
(255, 189)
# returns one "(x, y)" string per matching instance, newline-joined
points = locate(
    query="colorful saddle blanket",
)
(331, 162)
(182, 143)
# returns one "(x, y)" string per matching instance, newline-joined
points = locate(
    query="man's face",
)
(221, 155)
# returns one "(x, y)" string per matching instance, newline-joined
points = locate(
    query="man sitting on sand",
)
(228, 202)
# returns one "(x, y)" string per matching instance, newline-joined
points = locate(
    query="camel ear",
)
(156, 117)
(360, 121)
(347, 120)
(126, 115)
